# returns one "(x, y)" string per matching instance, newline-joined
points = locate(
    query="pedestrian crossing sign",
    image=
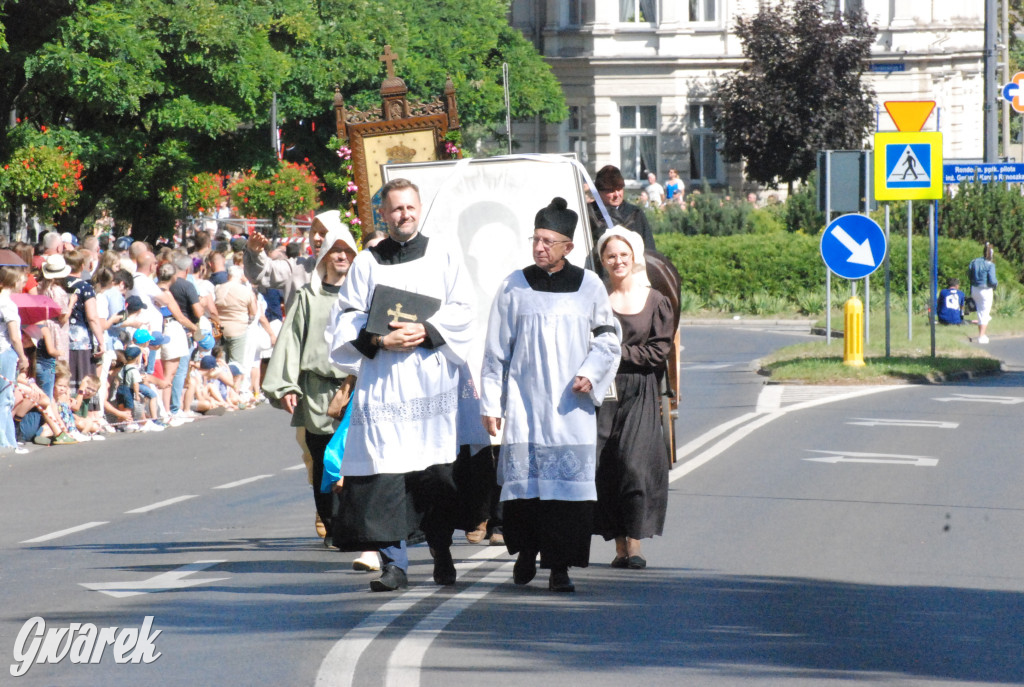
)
(908, 166)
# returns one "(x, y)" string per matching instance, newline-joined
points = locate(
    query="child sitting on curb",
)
(61, 395)
(86, 407)
(120, 419)
(128, 392)
(34, 412)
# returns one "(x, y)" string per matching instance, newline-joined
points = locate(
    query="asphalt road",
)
(815, 536)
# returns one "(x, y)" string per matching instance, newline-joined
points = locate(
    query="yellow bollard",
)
(853, 336)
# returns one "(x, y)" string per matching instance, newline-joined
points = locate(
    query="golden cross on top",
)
(389, 58)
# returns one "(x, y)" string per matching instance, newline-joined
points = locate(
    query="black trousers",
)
(325, 503)
(377, 511)
(478, 491)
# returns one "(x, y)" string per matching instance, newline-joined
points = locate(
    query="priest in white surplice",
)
(401, 444)
(551, 355)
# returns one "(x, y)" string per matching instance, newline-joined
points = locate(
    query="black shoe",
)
(620, 562)
(560, 581)
(444, 568)
(636, 563)
(525, 568)
(393, 578)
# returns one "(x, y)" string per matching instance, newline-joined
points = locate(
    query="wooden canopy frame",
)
(398, 131)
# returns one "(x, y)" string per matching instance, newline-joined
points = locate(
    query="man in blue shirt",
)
(951, 304)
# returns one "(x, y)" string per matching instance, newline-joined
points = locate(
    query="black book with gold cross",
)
(398, 305)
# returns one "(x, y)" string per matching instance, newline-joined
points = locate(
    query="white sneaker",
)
(368, 561)
(151, 427)
(21, 450)
(176, 421)
(97, 437)
(132, 427)
(983, 339)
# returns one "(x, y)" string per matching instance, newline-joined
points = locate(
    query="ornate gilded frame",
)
(374, 144)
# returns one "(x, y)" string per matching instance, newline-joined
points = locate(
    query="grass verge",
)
(910, 360)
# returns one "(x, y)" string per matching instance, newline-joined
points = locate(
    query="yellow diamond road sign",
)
(908, 166)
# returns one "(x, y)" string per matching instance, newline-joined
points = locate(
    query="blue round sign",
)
(853, 246)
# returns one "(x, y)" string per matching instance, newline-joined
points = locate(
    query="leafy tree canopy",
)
(800, 91)
(148, 92)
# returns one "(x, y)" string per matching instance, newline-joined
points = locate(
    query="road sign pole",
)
(910, 270)
(828, 271)
(887, 283)
(867, 279)
(933, 243)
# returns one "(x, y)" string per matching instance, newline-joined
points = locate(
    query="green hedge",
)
(787, 264)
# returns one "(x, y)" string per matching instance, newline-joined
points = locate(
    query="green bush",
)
(706, 214)
(762, 303)
(976, 212)
(802, 208)
(690, 302)
(986, 212)
(724, 270)
(810, 301)
(776, 264)
(767, 220)
(1009, 302)
(725, 303)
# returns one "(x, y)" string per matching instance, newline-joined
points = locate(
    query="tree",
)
(148, 93)
(799, 92)
(287, 191)
(45, 178)
(466, 40)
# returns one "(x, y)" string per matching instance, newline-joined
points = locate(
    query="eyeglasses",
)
(547, 243)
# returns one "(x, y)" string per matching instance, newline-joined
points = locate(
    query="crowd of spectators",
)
(105, 335)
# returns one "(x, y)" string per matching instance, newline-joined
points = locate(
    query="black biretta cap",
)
(557, 217)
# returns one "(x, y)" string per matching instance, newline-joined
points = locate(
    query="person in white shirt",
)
(655, 191)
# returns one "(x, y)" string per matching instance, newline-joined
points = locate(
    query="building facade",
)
(637, 75)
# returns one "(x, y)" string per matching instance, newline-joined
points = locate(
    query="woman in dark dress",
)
(632, 468)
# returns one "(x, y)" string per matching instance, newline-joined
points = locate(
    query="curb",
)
(789, 325)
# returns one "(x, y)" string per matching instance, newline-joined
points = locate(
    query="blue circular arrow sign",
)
(853, 246)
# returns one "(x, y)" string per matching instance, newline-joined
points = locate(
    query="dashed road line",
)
(61, 533)
(160, 504)
(247, 480)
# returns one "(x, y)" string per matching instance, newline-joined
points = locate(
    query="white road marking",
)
(770, 398)
(338, 668)
(172, 579)
(923, 424)
(61, 533)
(712, 434)
(161, 504)
(690, 367)
(878, 458)
(761, 420)
(247, 480)
(406, 661)
(300, 466)
(981, 398)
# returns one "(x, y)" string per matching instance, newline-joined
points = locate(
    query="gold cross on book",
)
(397, 314)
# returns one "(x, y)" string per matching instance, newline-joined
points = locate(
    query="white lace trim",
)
(415, 410)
